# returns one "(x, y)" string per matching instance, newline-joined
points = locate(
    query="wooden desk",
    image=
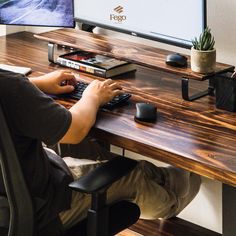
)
(192, 135)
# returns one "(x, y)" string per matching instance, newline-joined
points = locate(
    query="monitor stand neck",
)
(87, 27)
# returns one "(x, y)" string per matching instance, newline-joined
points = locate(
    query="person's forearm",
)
(85, 111)
(37, 81)
(84, 114)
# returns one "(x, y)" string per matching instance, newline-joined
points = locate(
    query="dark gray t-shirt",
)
(33, 118)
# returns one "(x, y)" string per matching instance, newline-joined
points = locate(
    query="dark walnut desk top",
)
(192, 135)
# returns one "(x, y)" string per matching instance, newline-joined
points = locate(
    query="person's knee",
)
(182, 202)
(195, 183)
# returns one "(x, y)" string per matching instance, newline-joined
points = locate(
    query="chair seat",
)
(122, 214)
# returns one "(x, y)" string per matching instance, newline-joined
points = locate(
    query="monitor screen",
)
(56, 13)
(175, 22)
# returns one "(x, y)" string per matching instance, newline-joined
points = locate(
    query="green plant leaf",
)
(205, 41)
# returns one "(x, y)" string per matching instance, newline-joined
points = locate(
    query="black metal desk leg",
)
(229, 210)
(51, 47)
(185, 91)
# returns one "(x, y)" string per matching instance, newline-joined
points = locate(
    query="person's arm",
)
(52, 83)
(85, 110)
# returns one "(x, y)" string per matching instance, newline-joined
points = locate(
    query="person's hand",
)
(103, 92)
(56, 82)
(84, 111)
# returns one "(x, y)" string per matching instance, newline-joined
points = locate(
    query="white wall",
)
(10, 29)
(222, 20)
(2, 30)
(39, 29)
(206, 208)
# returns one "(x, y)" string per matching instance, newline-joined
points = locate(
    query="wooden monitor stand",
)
(137, 53)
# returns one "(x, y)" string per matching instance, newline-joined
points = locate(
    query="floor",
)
(171, 227)
(128, 232)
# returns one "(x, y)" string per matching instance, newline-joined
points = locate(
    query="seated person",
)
(33, 118)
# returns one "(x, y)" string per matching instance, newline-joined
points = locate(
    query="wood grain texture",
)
(171, 227)
(121, 49)
(128, 232)
(192, 135)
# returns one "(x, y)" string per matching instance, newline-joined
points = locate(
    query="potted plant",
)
(203, 53)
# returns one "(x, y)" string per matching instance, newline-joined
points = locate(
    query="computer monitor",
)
(55, 13)
(174, 22)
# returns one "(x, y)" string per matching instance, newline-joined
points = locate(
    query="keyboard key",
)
(81, 86)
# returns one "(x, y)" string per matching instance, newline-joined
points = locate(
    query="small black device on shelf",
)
(176, 60)
(81, 86)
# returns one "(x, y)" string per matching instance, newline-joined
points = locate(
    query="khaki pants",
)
(160, 192)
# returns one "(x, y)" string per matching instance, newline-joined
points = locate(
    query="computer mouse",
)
(145, 112)
(176, 60)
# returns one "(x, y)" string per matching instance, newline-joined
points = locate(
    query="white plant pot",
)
(203, 61)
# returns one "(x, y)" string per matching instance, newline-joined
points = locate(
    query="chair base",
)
(121, 215)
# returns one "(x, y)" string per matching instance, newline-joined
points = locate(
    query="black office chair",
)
(16, 207)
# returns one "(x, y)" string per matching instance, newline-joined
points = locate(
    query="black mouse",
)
(176, 60)
(145, 112)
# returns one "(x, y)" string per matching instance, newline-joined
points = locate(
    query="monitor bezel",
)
(138, 34)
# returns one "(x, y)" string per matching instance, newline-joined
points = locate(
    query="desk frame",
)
(229, 210)
(185, 90)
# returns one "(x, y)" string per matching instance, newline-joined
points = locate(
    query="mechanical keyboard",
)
(81, 86)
